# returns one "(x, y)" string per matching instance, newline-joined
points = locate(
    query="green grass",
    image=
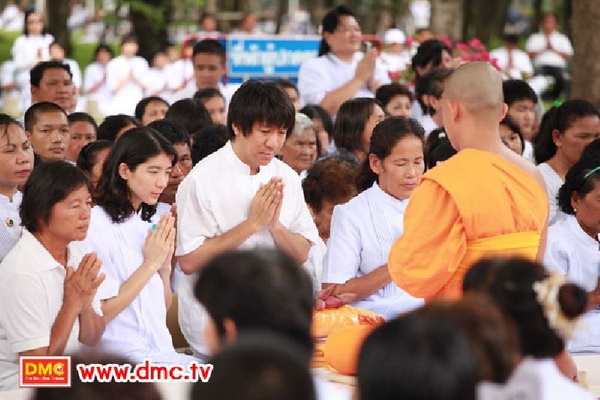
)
(6, 43)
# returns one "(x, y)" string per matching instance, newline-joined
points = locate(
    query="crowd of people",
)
(249, 208)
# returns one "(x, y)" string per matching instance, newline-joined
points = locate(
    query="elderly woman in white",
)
(364, 229)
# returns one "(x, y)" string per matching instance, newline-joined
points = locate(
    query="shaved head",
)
(477, 86)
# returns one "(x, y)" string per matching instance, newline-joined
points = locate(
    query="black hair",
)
(429, 53)
(385, 136)
(511, 38)
(129, 38)
(580, 180)
(512, 125)
(385, 93)
(82, 117)
(173, 131)
(112, 124)
(209, 140)
(140, 107)
(209, 46)
(103, 47)
(191, 114)
(260, 102)
(6, 120)
(432, 83)
(32, 113)
(245, 275)
(516, 90)
(133, 149)
(350, 122)
(315, 111)
(258, 366)
(330, 23)
(437, 148)
(37, 73)
(58, 43)
(330, 178)
(559, 118)
(207, 93)
(509, 282)
(286, 84)
(26, 16)
(49, 183)
(87, 156)
(417, 357)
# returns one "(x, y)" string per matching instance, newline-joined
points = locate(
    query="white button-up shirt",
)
(10, 222)
(538, 43)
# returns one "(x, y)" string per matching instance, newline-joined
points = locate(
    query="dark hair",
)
(331, 179)
(417, 357)
(87, 156)
(516, 90)
(509, 283)
(259, 365)
(209, 46)
(103, 47)
(49, 183)
(432, 83)
(385, 136)
(112, 124)
(260, 102)
(209, 140)
(6, 120)
(315, 111)
(385, 93)
(245, 275)
(191, 114)
(173, 131)
(429, 52)
(350, 122)
(330, 23)
(140, 108)
(27, 14)
(129, 38)
(82, 117)
(32, 113)
(511, 38)
(559, 118)
(60, 44)
(286, 84)
(132, 149)
(579, 180)
(510, 124)
(207, 93)
(37, 73)
(437, 148)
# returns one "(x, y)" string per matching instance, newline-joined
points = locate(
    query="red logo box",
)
(45, 371)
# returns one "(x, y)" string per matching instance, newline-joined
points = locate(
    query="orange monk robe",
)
(473, 205)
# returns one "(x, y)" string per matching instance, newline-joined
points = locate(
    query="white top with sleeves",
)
(362, 233)
(75, 70)
(126, 98)
(140, 330)
(10, 222)
(553, 184)
(215, 198)
(31, 295)
(28, 50)
(521, 63)
(321, 75)
(537, 43)
(94, 74)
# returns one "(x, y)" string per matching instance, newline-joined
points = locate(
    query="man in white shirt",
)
(514, 62)
(257, 200)
(53, 81)
(550, 51)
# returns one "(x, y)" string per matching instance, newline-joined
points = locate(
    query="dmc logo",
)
(45, 371)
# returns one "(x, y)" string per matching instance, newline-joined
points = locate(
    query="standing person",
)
(257, 200)
(341, 72)
(550, 50)
(125, 77)
(94, 80)
(16, 163)
(498, 205)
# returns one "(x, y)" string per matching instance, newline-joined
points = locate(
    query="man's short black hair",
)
(207, 94)
(82, 117)
(37, 73)
(209, 46)
(42, 107)
(173, 131)
(517, 89)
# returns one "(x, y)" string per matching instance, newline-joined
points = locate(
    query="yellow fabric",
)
(473, 197)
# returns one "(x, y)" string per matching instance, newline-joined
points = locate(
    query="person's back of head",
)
(112, 125)
(191, 114)
(477, 86)
(209, 140)
(173, 131)
(431, 85)
(258, 366)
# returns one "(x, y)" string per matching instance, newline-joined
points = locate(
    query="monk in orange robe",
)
(484, 201)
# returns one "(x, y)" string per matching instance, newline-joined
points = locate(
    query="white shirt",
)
(428, 124)
(75, 70)
(190, 90)
(362, 233)
(10, 222)
(521, 63)
(156, 83)
(140, 330)
(394, 62)
(27, 51)
(324, 74)
(126, 98)
(553, 184)
(31, 295)
(209, 207)
(537, 43)
(94, 74)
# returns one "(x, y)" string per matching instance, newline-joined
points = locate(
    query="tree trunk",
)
(446, 18)
(586, 68)
(58, 12)
(150, 22)
(487, 19)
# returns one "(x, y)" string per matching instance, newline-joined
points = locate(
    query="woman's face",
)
(103, 57)
(377, 115)
(148, 180)
(399, 106)
(300, 150)
(400, 172)
(588, 210)
(99, 160)
(346, 38)
(16, 158)
(70, 218)
(511, 139)
(35, 24)
(154, 111)
(572, 141)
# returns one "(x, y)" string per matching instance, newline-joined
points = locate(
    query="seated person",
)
(511, 135)
(323, 125)
(291, 91)
(428, 92)
(151, 109)
(214, 102)
(114, 126)
(396, 100)
(47, 127)
(82, 130)
(91, 159)
(191, 114)
(210, 139)
(364, 229)
(301, 147)
(521, 101)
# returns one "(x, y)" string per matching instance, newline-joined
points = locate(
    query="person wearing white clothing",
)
(341, 72)
(94, 80)
(256, 202)
(514, 62)
(364, 229)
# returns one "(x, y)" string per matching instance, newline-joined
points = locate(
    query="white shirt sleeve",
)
(342, 261)
(556, 257)
(312, 81)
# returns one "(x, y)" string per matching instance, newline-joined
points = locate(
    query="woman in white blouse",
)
(94, 79)
(364, 229)
(136, 246)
